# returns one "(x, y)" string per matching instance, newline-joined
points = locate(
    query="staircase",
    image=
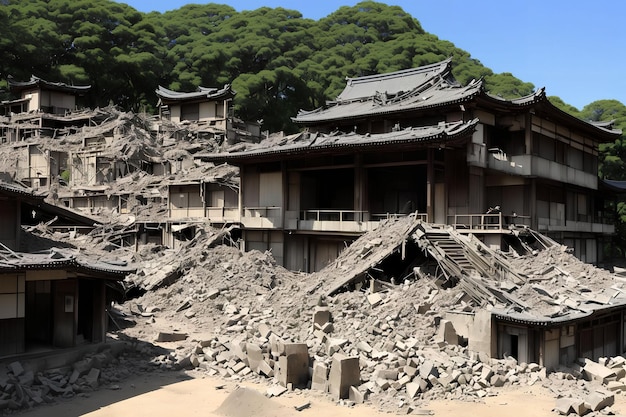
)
(451, 249)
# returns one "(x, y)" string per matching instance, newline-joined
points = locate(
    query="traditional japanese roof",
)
(309, 143)
(36, 82)
(26, 196)
(395, 92)
(429, 87)
(167, 96)
(57, 258)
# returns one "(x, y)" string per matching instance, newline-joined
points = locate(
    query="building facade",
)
(418, 141)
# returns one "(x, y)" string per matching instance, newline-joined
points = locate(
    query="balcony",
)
(262, 217)
(342, 221)
(486, 223)
(222, 214)
(528, 166)
(347, 221)
(552, 225)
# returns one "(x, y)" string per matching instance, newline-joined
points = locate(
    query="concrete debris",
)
(355, 330)
(25, 385)
(394, 353)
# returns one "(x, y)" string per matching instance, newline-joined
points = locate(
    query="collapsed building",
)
(53, 297)
(537, 303)
(408, 180)
(417, 140)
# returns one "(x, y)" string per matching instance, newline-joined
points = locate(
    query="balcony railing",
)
(262, 217)
(222, 214)
(528, 165)
(384, 216)
(487, 222)
(333, 215)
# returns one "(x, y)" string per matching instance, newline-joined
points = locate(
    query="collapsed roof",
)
(525, 286)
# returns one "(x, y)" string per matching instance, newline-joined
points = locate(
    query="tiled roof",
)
(308, 143)
(201, 93)
(38, 82)
(393, 83)
(62, 259)
(396, 92)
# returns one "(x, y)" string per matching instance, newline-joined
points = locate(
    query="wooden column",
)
(430, 185)
(359, 186)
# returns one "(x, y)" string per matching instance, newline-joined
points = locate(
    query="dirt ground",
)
(192, 393)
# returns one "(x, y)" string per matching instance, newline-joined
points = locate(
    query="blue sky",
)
(575, 49)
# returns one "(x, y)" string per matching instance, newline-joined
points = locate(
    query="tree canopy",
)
(277, 61)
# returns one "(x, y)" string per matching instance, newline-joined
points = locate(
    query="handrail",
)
(333, 215)
(487, 221)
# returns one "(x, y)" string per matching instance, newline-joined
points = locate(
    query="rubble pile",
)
(241, 316)
(233, 314)
(22, 387)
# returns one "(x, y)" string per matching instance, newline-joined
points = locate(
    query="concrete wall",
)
(185, 201)
(482, 337)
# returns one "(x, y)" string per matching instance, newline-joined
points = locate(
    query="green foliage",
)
(277, 61)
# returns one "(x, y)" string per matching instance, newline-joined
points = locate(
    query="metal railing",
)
(333, 215)
(491, 221)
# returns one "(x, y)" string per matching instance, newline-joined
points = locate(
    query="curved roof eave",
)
(471, 91)
(203, 93)
(39, 82)
(539, 98)
(443, 133)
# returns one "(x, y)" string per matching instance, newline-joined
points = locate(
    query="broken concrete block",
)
(354, 394)
(497, 380)
(382, 383)
(598, 400)
(418, 386)
(238, 367)
(27, 378)
(564, 405)
(344, 373)
(320, 377)
(446, 333)
(616, 386)
(428, 368)
(334, 345)
(410, 370)
(374, 299)
(391, 374)
(188, 362)
(423, 307)
(170, 337)
(276, 390)
(321, 316)
(254, 354)
(326, 328)
(92, 377)
(265, 369)
(594, 371)
(236, 347)
(293, 366)
(264, 330)
(363, 346)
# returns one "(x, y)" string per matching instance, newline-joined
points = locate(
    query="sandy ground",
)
(195, 394)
